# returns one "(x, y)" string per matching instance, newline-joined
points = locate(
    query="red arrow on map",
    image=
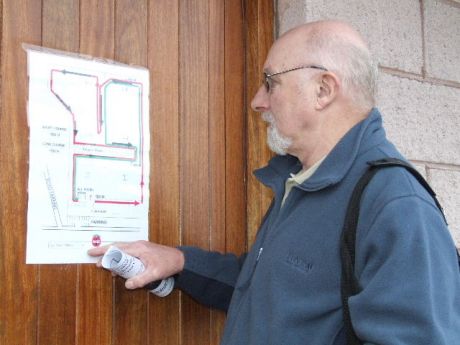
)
(135, 202)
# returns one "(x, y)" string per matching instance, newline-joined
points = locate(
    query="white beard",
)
(275, 140)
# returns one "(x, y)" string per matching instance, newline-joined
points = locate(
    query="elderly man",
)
(318, 98)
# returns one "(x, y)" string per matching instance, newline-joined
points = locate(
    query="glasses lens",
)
(266, 82)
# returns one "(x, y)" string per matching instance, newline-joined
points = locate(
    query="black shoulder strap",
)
(350, 285)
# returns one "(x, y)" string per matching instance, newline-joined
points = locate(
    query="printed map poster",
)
(88, 157)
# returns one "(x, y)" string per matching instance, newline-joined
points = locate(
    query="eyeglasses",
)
(268, 82)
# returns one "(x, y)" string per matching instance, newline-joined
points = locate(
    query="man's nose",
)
(260, 102)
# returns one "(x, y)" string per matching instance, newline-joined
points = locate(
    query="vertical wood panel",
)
(163, 51)
(94, 307)
(130, 309)
(60, 26)
(57, 296)
(21, 22)
(217, 143)
(194, 121)
(217, 123)
(131, 31)
(260, 37)
(94, 289)
(194, 149)
(235, 95)
(97, 28)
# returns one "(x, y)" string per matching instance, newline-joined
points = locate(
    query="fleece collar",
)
(359, 139)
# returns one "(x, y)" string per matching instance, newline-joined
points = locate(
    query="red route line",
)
(142, 143)
(135, 202)
(99, 130)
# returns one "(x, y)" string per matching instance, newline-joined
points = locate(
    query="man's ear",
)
(327, 90)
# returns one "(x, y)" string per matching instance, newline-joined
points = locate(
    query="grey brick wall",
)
(417, 45)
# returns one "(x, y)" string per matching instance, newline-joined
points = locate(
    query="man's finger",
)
(131, 248)
(137, 282)
(98, 251)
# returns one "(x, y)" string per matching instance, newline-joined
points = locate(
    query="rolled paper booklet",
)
(128, 266)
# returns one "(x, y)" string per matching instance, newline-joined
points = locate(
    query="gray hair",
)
(350, 61)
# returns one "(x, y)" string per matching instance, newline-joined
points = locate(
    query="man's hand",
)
(160, 261)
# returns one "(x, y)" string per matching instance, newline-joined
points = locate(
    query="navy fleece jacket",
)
(286, 291)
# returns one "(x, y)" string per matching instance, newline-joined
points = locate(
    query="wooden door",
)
(205, 58)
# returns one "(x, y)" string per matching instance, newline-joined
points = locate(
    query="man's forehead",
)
(282, 56)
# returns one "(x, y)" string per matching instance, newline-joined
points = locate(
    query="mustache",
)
(268, 117)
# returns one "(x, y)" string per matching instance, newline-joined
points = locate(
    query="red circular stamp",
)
(96, 241)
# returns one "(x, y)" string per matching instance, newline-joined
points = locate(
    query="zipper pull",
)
(260, 253)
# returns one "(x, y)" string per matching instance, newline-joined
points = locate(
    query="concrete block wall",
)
(417, 46)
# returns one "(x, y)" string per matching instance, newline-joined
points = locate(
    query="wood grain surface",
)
(20, 286)
(260, 16)
(205, 58)
(94, 311)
